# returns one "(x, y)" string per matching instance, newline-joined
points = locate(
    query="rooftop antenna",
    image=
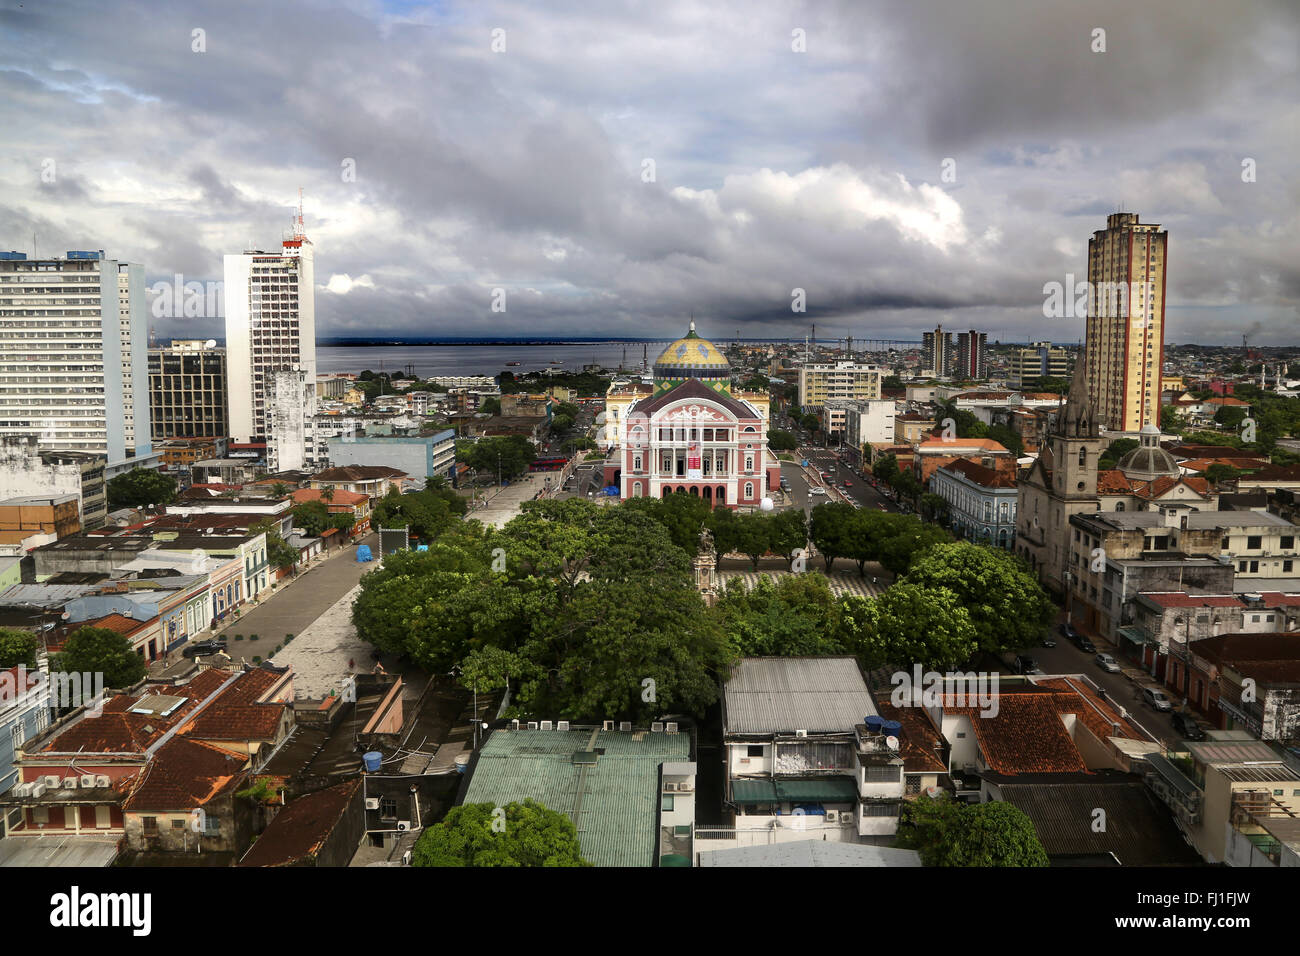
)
(299, 229)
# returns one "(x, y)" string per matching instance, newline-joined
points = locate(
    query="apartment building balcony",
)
(1167, 779)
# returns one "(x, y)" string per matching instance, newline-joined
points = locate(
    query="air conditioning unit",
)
(372, 803)
(403, 826)
(607, 725)
(657, 727)
(87, 781)
(406, 858)
(669, 787)
(103, 780)
(625, 725)
(69, 783)
(548, 725)
(832, 816)
(562, 725)
(52, 782)
(22, 789)
(38, 789)
(684, 786)
(514, 724)
(671, 727)
(532, 725)
(801, 733)
(846, 818)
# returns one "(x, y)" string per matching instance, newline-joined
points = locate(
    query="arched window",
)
(1083, 456)
(636, 489)
(1119, 506)
(749, 490)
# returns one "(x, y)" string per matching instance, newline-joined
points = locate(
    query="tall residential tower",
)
(1125, 343)
(270, 327)
(73, 363)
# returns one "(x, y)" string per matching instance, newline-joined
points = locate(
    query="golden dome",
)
(692, 352)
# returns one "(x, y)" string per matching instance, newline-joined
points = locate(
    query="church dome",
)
(1148, 461)
(691, 357)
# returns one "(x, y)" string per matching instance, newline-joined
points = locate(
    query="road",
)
(860, 489)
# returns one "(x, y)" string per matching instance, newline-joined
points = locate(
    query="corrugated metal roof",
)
(1233, 751)
(811, 853)
(767, 695)
(618, 816)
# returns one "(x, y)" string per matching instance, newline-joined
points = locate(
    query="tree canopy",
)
(17, 648)
(518, 834)
(97, 650)
(948, 833)
(1008, 608)
(139, 487)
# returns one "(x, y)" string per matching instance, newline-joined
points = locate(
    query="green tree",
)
(796, 616)
(1009, 609)
(97, 650)
(1008, 438)
(1219, 473)
(908, 624)
(490, 406)
(561, 423)
(754, 538)
(906, 539)
(311, 518)
(1229, 416)
(476, 834)
(778, 440)
(885, 468)
(426, 513)
(1115, 451)
(279, 553)
(681, 515)
(787, 533)
(140, 486)
(831, 530)
(490, 668)
(948, 833)
(17, 648)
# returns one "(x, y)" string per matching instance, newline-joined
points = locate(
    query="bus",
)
(547, 464)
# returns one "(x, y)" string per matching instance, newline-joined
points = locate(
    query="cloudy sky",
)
(619, 166)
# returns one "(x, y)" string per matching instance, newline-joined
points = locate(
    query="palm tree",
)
(327, 493)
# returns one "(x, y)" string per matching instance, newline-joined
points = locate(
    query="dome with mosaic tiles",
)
(692, 357)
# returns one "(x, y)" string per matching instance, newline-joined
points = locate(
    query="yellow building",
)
(843, 381)
(1125, 337)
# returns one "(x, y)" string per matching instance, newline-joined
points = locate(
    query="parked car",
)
(1153, 697)
(846, 483)
(1026, 665)
(1084, 644)
(1068, 632)
(1187, 728)
(203, 648)
(1108, 663)
(816, 490)
(1048, 642)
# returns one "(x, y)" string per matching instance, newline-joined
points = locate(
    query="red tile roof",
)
(1278, 599)
(120, 623)
(358, 473)
(237, 715)
(298, 831)
(1028, 735)
(185, 775)
(920, 742)
(980, 475)
(341, 496)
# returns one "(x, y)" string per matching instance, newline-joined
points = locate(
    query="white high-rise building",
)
(270, 326)
(74, 354)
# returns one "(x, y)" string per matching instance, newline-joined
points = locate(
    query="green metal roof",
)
(841, 789)
(618, 817)
(1136, 635)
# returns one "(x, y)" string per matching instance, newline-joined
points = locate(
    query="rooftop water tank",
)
(891, 728)
(873, 723)
(372, 759)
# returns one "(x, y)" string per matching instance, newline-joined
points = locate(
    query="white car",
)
(1108, 663)
(1156, 699)
(816, 490)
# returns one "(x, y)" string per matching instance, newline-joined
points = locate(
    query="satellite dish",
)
(891, 743)
(210, 344)
(765, 504)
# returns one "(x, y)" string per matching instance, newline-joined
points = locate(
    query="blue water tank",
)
(372, 760)
(873, 723)
(891, 728)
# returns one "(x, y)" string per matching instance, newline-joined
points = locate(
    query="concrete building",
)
(842, 381)
(1039, 360)
(39, 515)
(806, 756)
(419, 456)
(972, 355)
(270, 325)
(1210, 785)
(26, 471)
(187, 391)
(73, 365)
(290, 414)
(938, 355)
(1125, 340)
(981, 501)
(867, 423)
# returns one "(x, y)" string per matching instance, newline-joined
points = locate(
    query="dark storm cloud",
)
(774, 170)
